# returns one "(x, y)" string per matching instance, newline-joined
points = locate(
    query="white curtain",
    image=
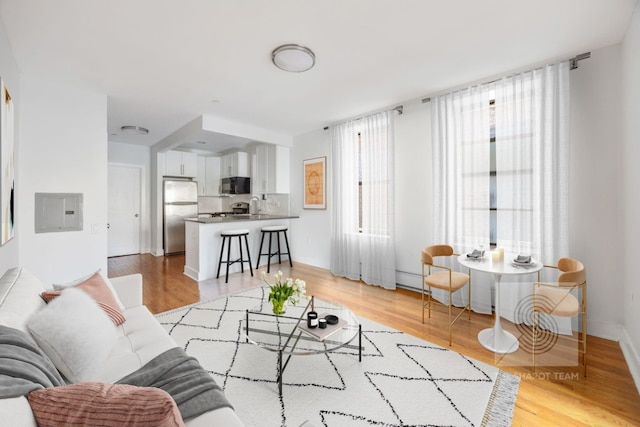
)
(532, 140)
(532, 155)
(362, 235)
(461, 166)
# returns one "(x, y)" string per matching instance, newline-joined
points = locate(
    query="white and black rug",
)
(401, 381)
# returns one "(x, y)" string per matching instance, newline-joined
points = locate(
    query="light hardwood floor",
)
(557, 396)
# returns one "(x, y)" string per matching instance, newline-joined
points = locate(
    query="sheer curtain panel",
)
(532, 155)
(461, 167)
(530, 124)
(362, 235)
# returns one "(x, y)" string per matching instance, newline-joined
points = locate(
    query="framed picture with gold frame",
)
(315, 183)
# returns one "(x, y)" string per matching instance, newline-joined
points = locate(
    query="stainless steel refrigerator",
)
(180, 202)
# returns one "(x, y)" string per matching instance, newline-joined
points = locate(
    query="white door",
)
(123, 212)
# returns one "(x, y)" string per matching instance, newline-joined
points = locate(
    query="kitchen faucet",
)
(251, 204)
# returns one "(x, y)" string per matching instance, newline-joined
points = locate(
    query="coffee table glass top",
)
(288, 333)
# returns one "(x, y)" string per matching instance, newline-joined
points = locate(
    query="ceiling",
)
(163, 63)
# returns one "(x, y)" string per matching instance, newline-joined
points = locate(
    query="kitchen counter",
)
(238, 218)
(203, 241)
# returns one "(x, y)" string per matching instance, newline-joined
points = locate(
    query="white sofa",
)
(140, 339)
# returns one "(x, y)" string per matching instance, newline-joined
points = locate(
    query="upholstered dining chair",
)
(557, 298)
(444, 278)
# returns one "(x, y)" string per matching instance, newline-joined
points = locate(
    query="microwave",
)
(236, 185)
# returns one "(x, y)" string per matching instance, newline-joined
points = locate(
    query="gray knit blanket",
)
(182, 376)
(23, 367)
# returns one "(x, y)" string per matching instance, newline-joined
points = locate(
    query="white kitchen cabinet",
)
(180, 163)
(201, 176)
(235, 164)
(208, 176)
(272, 169)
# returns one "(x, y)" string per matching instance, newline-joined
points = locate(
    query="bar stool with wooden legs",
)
(229, 234)
(270, 230)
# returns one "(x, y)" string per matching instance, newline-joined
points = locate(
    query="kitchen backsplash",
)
(274, 204)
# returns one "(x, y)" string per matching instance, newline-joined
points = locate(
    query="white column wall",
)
(310, 236)
(63, 149)
(596, 186)
(630, 194)
(414, 192)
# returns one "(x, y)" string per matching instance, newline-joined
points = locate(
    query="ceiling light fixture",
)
(138, 130)
(293, 58)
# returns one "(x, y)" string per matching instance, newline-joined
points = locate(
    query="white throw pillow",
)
(61, 286)
(75, 333)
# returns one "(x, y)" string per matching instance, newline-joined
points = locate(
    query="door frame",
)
(144, 237)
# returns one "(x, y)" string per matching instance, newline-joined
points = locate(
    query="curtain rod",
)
(399, 109)
(573, 65)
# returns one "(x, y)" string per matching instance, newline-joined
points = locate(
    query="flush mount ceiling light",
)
(138, 130)
(293, 58)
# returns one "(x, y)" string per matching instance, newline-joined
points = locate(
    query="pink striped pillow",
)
(105, 405)
(97, 288)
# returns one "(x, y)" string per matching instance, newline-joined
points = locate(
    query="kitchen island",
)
(203, 241)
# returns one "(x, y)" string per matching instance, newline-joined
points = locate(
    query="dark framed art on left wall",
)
(7, 166)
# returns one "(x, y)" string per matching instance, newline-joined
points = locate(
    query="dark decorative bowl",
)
(331, 319)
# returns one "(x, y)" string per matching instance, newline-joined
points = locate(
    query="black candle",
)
(312, 319)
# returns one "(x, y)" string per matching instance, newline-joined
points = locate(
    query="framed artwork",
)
(315, 183)
(7, 167)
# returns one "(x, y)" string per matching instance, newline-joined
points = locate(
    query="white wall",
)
(129, 154)
(138, 156)
(310, 234)
(595, 187)
(63, 149)
(595, 205)
(9, 253)
(631, 193)
(414, 193)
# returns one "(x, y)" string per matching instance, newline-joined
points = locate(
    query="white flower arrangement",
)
(284, 290)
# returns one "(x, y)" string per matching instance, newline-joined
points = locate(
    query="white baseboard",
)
(191, 273)
(606, 330)
(409, 280)
(631, 356)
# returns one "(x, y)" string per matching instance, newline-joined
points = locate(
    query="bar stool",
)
(230, 234)
(270, 230)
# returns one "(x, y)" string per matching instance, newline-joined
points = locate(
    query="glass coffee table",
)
(289, 334)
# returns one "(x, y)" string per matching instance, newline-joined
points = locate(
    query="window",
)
(493, 190)
(362, 243)
(373, 187)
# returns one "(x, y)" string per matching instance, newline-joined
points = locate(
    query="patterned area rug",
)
(401, 380)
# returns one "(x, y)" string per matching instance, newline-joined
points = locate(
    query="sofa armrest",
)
(129, 289)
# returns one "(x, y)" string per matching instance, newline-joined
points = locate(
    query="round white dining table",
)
(497, 339)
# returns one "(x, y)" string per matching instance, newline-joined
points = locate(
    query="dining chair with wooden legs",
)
(445, 279)
(556, 298)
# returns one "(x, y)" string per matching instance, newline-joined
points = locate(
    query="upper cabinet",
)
(208, 176)
(272, 169)
(234, 164)
(180, 163)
